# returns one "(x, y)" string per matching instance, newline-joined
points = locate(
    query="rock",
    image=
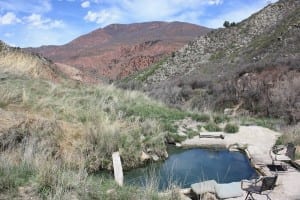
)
(182, 134)
(166, 155)
(149, 150)
(170, 140)
(178, 144)
(228, 111)
(155, 157)
(209, 196)
(110, 191)
(144, 156)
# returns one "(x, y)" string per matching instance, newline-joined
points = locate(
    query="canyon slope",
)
(118, 50)
(16, 61)
(253, 66)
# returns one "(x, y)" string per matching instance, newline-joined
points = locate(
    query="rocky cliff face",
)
(118, 50)
(205, 73)
(271, 33)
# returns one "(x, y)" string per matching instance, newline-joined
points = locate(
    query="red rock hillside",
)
(118, 50)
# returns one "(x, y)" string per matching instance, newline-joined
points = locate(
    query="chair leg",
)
(250, 196)
(247, 195)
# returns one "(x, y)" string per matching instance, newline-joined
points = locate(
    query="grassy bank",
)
(50, 181)
(55, 136)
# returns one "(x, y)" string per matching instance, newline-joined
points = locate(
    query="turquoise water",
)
(184, 167)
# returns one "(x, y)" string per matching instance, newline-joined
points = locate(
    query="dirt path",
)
(258, 142)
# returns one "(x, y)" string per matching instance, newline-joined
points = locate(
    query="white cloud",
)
(9, 18)
(36, 20)
(103, 17)
(85, 4)
(28, 6)
(128, 11)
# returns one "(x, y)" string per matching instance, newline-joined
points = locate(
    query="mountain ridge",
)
(117, 50)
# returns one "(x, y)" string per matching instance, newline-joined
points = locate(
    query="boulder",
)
(144, 156)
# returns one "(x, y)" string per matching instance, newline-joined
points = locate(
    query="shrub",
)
(226, 24)
(232, 24)
(191, 133)
(212, 127)
(201, 117)
(174, 137)
(220, 118)
(231, 128)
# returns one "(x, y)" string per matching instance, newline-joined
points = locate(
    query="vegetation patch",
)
(174, 137)
(141, 76)
(271, 123)
(212, 127)
(218, 55)
(231, 128)
(220, 118)
(291, 134)
(201, 117)
(191, 133)
(13, 176)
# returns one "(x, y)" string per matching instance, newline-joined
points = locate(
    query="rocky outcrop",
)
(118, 50)
(238, 44)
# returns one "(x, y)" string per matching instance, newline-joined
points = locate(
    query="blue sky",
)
(34, 23)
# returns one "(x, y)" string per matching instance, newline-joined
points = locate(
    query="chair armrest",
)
(250, 182)
(247, 183)
(279, 149)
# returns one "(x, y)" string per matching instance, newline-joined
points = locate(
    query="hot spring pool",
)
(187, 166)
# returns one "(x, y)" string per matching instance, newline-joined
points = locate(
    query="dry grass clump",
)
(101, 114)
(291, 134)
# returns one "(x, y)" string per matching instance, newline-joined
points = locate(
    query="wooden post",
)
(118, 171)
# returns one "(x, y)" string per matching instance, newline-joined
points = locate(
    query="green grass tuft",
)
(231, 128)
(201, 117)
(220, 118)
(212, 127)
(11, 177)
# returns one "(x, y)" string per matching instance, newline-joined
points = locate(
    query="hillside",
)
(57, 137)
(255, 64)
(19, 62)
(115, 51)
(15, 61)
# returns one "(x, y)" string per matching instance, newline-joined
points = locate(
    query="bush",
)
(231, 128)
(226, 24)
(201, 117)
(220, 118)
(175, 138)
(212, 127)
(191, 133)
